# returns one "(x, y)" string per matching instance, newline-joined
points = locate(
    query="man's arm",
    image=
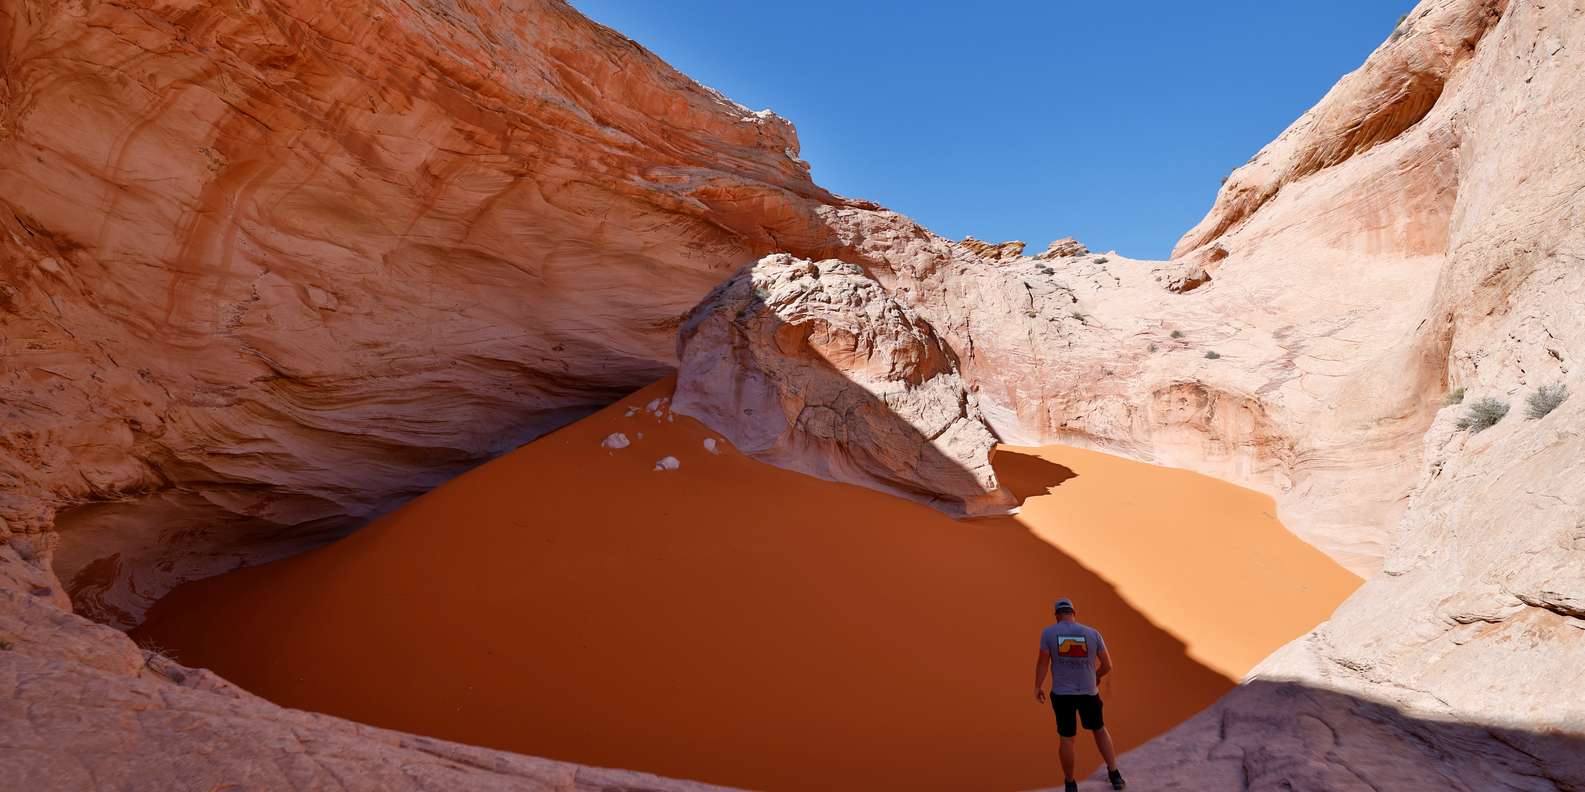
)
(1106, 664)
(1042, 665)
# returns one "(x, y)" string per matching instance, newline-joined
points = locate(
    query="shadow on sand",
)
(1028, 476)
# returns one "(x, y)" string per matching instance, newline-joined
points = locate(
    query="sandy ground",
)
(736, 623)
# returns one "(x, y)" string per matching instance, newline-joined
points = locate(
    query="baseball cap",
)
(1064, 604)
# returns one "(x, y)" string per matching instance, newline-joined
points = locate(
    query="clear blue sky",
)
(1021, 119)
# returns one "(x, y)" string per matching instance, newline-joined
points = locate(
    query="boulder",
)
(813, 366)
(1066, 247)
(995, 251)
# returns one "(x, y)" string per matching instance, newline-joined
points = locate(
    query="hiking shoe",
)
(1070, 786)
(1116, 778)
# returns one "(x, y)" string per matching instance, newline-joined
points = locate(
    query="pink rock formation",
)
(271, 267)
(1444, 671)
(813, 366)
(995, 251)
(1396, 89)
(1066, 247)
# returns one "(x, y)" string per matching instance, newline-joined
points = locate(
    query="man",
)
(1070, 650)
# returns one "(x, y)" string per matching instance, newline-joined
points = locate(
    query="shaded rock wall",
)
(284, 264)
(812, 366)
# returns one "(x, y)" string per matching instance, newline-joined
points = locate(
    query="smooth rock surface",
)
(83, 708)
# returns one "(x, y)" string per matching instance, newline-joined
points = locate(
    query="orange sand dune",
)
(736, 623)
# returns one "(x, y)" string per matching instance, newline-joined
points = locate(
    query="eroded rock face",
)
(813, 366)
(1462, 643)
(995, 251)
(269, 268)
(1066, 247)
(1396, 89)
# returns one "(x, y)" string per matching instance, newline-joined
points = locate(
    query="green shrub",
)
(1079, 315)
(1213, 355)
(1454, 396)
(1483, 414)
(1545, 399)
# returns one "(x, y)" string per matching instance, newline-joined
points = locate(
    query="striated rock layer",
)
(270, 267)
(812, 366)
(1449, 669)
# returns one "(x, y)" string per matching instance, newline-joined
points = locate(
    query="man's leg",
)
(1103, 741)
(1066, 710)
(1065, 750)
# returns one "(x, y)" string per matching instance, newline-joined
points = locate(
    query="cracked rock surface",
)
(812, 366)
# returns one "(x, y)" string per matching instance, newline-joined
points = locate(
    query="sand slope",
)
(736, 623)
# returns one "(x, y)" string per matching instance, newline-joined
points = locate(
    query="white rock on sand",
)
(615, 440)
(668, 463)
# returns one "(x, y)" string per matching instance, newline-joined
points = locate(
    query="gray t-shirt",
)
(1073, 649)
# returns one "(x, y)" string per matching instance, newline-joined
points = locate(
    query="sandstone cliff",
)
(85, 709)
(812, 366)
(1448, 669)
(271, 267)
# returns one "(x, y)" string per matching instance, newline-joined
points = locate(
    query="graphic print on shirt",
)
(1072, 646)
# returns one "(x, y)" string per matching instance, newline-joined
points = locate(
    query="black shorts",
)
(1088, 708)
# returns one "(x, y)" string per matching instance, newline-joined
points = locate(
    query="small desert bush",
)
(1101, 259)
(5, 646)
(1398, 30)
(1483, 414)
(1454, 396)
(1031, 314)
(1213, 355)
(1079, 315)
(1545, 399)
(1177, 334)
